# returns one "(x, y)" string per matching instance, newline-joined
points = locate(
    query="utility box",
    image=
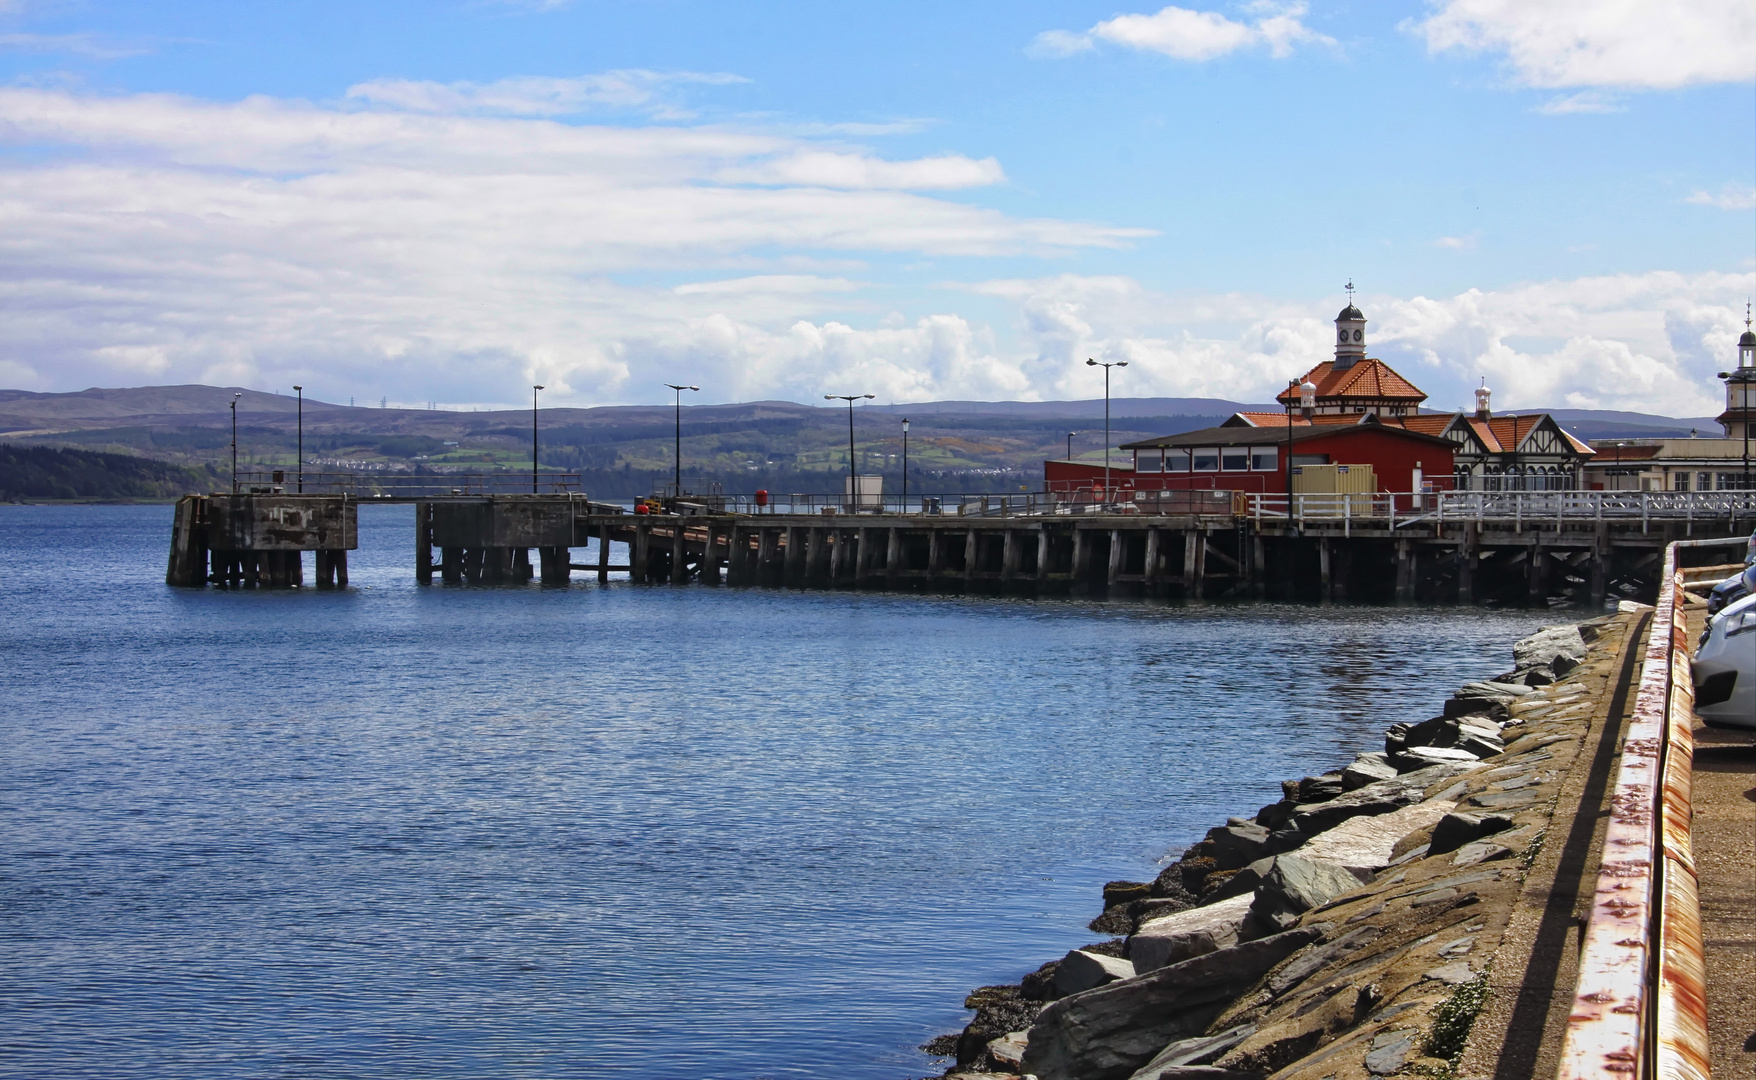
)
(1350, 489)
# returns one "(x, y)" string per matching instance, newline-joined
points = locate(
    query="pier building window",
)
(1207, 460)
(1704, 481)
(1235, 458)
(1148, 461)
(1176, 460)
(1680, 482)
(1264, 459)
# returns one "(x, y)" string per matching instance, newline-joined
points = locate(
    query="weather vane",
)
(1350, 291)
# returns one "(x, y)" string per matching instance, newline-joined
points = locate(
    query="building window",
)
(1235, 458)
(1264, 459)
(1680, 482)
(1147, 461)
(1207, 459)
(1176, 460)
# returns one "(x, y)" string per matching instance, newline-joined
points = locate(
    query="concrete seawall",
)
(1414, 911)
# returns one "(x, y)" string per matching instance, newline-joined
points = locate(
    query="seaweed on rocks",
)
(999, 1011)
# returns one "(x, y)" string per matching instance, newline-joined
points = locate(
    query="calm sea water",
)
(624, 831)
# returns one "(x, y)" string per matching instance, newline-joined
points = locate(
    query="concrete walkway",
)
(1724, 836)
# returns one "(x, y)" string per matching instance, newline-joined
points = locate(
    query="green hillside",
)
(44, 472)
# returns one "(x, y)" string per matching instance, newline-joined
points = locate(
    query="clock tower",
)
(1350, 337)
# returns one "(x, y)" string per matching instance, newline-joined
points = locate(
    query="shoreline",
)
(1167, 993)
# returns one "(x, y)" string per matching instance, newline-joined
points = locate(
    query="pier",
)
(1453, 547)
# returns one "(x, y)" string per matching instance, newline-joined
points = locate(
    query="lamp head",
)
(828, 397)
(871, 395)
(299, 388)
(536, 388)
(693, 388)
(1091, 363)
(1725, 374)
(1121, 363)
(905, 423)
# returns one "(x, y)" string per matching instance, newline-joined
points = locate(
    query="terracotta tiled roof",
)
(1269, 419)
(1368, 378)
(1426, 424)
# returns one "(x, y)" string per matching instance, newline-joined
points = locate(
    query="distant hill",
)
(44, 472)
(625, 450)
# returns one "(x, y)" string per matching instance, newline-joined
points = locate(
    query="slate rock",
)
(1241, 883)
(1293, 886)
(1201, 1050)
(1008, 1050)
(1110, 1032)
(1390, 1051)
(1188, 934)
(1557, 648)
(1381, 797)
(1122, 892)
(1453, 974)
(1366, 769)
(1420, 757)
(1462, 827)
(1320, 788)
(1276, 814)
(1235, 846)
(1081, 970)
(1369, 843)
(1459, 707)
(1206, 1072)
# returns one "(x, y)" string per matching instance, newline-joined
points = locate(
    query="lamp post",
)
(235, 398)
(1114, 363)
(853, 476)
(1070, 435)
(533, 437)
(905, 464)
(678, 493)
(301, 391)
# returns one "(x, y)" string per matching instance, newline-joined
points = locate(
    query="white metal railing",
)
(1399, 509)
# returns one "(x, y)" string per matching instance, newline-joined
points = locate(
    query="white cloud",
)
(1184, 34)
(1603, 43)
(91, 45)
(1729, 197)
(1585, 101)
(531, 95)
(1457, 243)
(446, 257)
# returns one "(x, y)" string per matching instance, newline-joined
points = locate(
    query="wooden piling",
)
(423, 544)
(679, 554)
(1198, 537)
(971, 555)
(1113, 573)
(1405, 572)
(1042, 532)
(1149, 570)
(604, 554)
(1009, 556)
(639, 565)
(893, 557)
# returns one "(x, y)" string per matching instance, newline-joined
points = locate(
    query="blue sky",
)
(447, 201)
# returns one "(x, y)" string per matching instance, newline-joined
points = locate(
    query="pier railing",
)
(1401, 509)
(1640, 1006)
(405, 485)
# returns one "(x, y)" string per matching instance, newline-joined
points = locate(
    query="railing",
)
(1401, 509)
(405, 485)
(1019, 504)
(1640, 1006)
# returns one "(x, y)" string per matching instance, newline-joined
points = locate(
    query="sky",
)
(448, 202)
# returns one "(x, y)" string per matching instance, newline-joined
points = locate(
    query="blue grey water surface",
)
(629, 831)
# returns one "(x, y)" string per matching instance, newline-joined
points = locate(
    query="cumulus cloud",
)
(1185, 34)
(1729, 197)
(1594, 43)
(160, 238)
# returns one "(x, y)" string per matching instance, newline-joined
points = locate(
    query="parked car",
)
(1738, 585)
(1725, 668)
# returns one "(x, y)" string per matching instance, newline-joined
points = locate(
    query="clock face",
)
(1341, 335)
(1359, 335)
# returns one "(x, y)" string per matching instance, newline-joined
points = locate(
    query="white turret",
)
(1350, 337)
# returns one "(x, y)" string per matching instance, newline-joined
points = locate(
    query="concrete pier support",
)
(1042, 533)
(1113, 572)
(935, 553)
(1149, 571)
(893, 556)
(971, 555)
(639, 567)
(795, 562)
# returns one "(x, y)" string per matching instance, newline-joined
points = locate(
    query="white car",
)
(1725, 668)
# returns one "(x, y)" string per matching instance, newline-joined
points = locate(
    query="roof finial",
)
(1350, 293)
(1746, 314)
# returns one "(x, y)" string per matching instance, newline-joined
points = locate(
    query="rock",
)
(998, 1009)
(1453, 974)
(1492, 691)
(1293, 886)
(1121, 892)
(1205, 1072)
(1381, 797)
(1081, 970)
(1188, 934)
(1439, 731)
(1390, 1051)
(1456, 829)
(1110, 1032)
(1197, 1051)
(1276, 814)
(1008, 1050)
(1366, 769)
(1420, 757)
(1476, 706)
(1320, 788)
(1235, 846)
(1369, 843)
(1557, 648)
(1395, 738)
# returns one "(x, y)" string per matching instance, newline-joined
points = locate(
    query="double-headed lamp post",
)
(1114, 363)
(301, 391)
(678, 447)
(533, 437)
(853, 474)
(235, 398)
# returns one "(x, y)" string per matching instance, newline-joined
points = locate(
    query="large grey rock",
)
(1414, 758)
(1320, 788)
(1557, 648)
(1081, 970)
(1201, 1050)
(1187, 934)
(1238, 844)
(1367, 769)
(1381, 797)
(1366, 844)
(1293, 886)
(1008, 1049)
(1493, 691)
(1110, 1032)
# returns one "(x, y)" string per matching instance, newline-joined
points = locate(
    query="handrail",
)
(1640, 1003)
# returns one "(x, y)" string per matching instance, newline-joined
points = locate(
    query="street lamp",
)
(1070, 435)
(905, 464)
(679, 444)
(533, 438)
(853, 477)
(235, 398)
(301, 391)
(1292, 388)
(1116, 363)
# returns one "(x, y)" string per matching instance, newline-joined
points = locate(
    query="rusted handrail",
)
(1640, 1006)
